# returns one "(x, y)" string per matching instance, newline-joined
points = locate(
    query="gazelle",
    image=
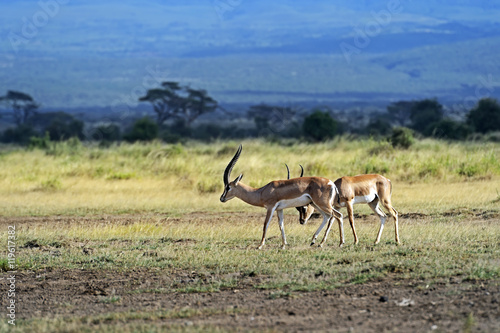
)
(362, 189)
(281, 194)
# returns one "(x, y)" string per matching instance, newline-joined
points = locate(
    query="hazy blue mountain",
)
(94, 53)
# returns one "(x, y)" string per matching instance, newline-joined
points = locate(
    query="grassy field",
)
(75, 180)
(156, 207)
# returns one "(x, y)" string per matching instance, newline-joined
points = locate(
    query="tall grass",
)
(77, 179)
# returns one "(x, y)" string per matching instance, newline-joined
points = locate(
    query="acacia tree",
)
(23, 106)
(198, 103)
(182, 103)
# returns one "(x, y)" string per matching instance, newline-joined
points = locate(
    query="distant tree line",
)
(177, 107)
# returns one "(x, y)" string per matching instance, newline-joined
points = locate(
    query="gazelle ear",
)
(237, 180)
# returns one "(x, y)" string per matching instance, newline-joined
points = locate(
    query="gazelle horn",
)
(230, 166)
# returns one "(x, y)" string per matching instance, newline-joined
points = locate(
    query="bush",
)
(64, 126)
(402, 137)
(21, 134)
(207, 132)
(320, 126)
(485, 117)
(143, 129)
(40, 142)
(378, 127)
(450, 129)
(109, 132)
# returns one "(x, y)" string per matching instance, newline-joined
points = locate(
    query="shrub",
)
(402, 137)
(320, 126)
(21, 134)
(109, 132)
(378, 127)
(450, 129)
(64, 128)
(485, 117)
(39, 142)
(143, 129)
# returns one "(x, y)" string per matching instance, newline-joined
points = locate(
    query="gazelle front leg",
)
(282, 228)
(325, 219)
(269, 215)
(338, 216)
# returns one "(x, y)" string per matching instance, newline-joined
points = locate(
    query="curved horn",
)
(230, 166)
(288, 172)
(302, 172)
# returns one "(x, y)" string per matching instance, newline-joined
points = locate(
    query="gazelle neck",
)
(250, 195)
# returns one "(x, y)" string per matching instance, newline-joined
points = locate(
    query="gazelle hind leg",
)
(396, 227)
(282, 228)
(394, 214)
(383, 217)
(269, 215)
(350, 214)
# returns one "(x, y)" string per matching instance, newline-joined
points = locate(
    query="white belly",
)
(364, 199)
(303, 200)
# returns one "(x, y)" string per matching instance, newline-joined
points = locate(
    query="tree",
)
(198, 103)
(176, 102)
(23, 106)
(320, 126)
(425, 114)
(143, 129)
(485, 117)
(400, 112)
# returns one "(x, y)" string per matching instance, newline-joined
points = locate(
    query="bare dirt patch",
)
(388, 305)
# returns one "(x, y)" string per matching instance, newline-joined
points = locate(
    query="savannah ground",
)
(133, 238)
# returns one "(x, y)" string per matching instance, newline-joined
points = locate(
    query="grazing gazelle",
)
(281, 194)
(361, 189)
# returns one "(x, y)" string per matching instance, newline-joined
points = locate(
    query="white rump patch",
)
(364, 199)
(303, 200)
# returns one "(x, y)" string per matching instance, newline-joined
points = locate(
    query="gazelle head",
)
(230, 187)
(305, 212)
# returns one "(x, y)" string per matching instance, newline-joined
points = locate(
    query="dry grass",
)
(432, 176)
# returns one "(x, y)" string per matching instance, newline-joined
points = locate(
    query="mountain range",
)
(77, 54)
